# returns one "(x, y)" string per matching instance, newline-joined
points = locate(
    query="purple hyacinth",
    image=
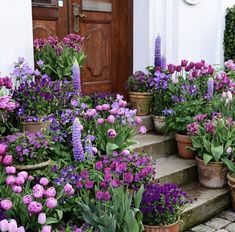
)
(76, 78)
(210, 88)
(157, 55)
(78, 152)
(163, 62)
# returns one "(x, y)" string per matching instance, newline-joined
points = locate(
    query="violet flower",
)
(76, 78)
(78, 151)
(157, 55)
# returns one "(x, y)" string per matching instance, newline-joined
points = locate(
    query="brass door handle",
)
(76, 17)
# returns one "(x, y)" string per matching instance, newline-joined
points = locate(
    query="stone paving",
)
(224, 222)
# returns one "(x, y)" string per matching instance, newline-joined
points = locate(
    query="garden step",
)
(155, 145)
(175, 170)
(147, 121)
(206, 204)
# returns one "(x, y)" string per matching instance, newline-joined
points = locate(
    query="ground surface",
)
(224, 222)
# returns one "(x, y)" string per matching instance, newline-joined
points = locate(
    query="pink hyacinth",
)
(10, 170)
(46, 229)
(7, 160)
(51, 203)
(10, 180)
(42, 218)
(27, 199)
(35, 207)
(3, 149)
(38, 191)
(50, 192)
(6, 204)
(44, 181)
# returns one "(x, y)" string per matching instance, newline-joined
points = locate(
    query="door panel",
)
(108, 38)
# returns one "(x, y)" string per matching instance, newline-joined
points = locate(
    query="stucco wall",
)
(188, 31)
(16, 37)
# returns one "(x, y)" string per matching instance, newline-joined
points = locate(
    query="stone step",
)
(155, 145)
(175, 170)
(206, 204)
(147, 121)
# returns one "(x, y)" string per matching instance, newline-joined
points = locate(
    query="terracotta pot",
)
(183, 144)
(231, 183)
(33, 127)
(159, 124)
(212, 175)
(30, 167)
(168, 228)
(141, 102)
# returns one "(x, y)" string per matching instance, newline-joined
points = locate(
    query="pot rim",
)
(160, 117)
(185, 138)
(211, 162)
(164, 225)
(230, 177)
(141, 93)
(33, 166)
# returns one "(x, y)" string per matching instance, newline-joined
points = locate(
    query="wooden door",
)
(107, 26)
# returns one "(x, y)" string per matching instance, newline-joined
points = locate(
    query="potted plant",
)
(161, 206)
(191, 90)
(56, 58)
(212, 137)
(30, 151)
(37, 100)
(161, 101)
(139, 87)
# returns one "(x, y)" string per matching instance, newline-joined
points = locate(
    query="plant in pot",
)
(161, 206)
(161, 101)
(212, 137)
(56, 58)
(37, 100)
(28, 151)
(191, 90)
(140, 92)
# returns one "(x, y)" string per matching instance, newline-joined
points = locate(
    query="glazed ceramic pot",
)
(141, 101)
(168, 228)
(183, 144)
(212, 175)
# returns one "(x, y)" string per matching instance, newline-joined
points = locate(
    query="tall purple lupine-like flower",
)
(163, 62)
(78, 152)
(76, 78)
(157, 55)
(210, 88)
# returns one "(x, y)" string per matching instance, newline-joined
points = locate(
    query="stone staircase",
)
(206, 203)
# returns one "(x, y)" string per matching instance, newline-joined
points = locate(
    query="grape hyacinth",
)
(78, 151)
(76, 78)
(157, 55)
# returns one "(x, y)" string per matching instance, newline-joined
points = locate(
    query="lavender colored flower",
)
(111, 133)
(78, 151)
(35, 207)
(99, 195)
(76, 78)
(6, 204)
(210, 88)
(51, 203)
(157, 54)
(42, 218)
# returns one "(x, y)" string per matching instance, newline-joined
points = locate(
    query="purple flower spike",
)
(76, 78)
(157, 57)
(210, 88)
(78, 152)
(163, 62)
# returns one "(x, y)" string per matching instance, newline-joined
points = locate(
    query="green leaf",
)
(207, 145)
(51, 220)
(111, 147)
(229, 164)
(59, 213)
(217, 152)
(207, 158)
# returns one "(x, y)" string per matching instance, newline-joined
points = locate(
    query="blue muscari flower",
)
(76, 78)
(210, 88)
(157, 55)
(78, 152)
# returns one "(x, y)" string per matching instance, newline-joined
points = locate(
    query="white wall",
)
(16, 38)
(193, 32)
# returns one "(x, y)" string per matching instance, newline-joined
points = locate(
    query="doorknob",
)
(76, 16)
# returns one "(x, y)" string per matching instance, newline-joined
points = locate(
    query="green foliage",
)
(229, 34)
(118, 215)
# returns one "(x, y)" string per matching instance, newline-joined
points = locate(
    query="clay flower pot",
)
(168, 228)
(212, 175)
(231, 183)
(33, 167)
(159, 124)
(183, 144)
(141, 101)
